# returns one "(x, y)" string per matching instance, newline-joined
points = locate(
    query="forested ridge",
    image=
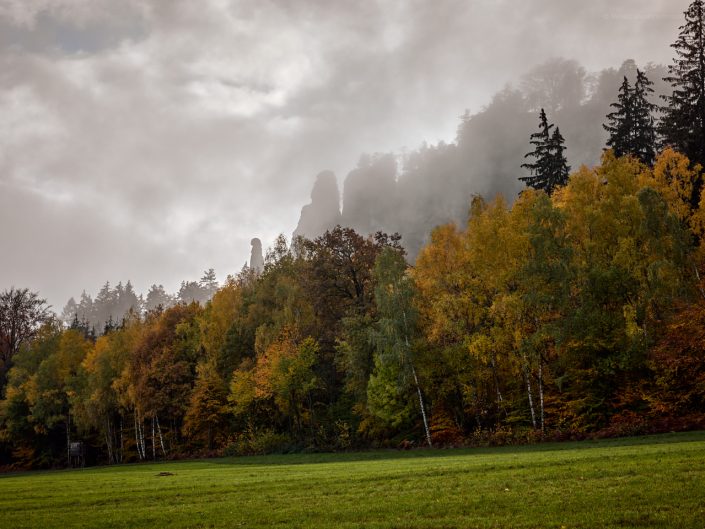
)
(576, 309)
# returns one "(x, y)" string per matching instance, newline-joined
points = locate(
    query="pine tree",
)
(683, 123)
(644, 139)
(620, 122)
(631, 124)
(558, 163)
(550, 167)
(209, 283)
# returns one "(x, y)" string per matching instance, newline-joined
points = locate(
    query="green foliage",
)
(396, 325)
(355, 351)
(386, 401)
(258, 442)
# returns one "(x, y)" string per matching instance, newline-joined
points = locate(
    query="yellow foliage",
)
(219, 317)
(243, 388)
(674, 179)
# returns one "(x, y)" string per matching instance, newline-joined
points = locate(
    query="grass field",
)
(656, 481)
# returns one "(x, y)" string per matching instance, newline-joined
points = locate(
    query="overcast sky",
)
(152, 140)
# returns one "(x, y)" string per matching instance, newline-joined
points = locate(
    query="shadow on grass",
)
(384, 455)
(391, 454)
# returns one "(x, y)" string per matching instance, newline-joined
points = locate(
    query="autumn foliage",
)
(564, 316)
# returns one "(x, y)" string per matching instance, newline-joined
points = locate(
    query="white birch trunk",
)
(423, 408)
(697, 276)
(416, 381)
(527, 375)
(541, 394)
(139, 427)
(142, 441)
(137, 438)
(161, 439)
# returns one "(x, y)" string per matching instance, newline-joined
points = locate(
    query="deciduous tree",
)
(21, 314)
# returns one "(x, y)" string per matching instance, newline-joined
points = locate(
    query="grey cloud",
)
(180, 130)
(57, 27)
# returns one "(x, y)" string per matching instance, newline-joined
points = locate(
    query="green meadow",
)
(654, 481)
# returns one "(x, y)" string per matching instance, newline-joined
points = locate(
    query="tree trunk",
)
(699, 282)
(423, 407)
(142, 440)
(527, 375)
(109, 440)
(137, 437)
(141, 444)
(161, 439)
(543, 426)
(122, 441)
(137, 441)
(313, 416)
(154, 444)
(68, 438)
(416, 381)
(173, 437)
(477, 407)
(495, 376)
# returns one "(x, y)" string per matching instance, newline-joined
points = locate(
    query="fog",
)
(412, 192)
(151, 141)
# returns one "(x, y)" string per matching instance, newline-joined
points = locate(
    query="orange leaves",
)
(269, 364)
(283, 373)
(678, 363)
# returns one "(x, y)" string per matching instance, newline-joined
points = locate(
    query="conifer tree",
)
(644, 140)
(558, 168)
(619, 122)
(550, 168)
(683, 123)
(631, 124)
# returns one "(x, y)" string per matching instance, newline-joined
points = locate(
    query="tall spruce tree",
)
(644, 139)
(558, 163)
(620, 121)
(550, 167)
(683, 122)
(631, 124)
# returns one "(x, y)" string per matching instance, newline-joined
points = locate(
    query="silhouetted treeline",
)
(112, 305)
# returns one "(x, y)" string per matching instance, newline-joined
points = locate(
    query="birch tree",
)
(396, 328)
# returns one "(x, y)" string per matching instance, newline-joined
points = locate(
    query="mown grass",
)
(655, 481)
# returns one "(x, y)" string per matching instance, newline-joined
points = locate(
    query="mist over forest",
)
(410, 192)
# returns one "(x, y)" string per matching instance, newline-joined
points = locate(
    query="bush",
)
(259, 442)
